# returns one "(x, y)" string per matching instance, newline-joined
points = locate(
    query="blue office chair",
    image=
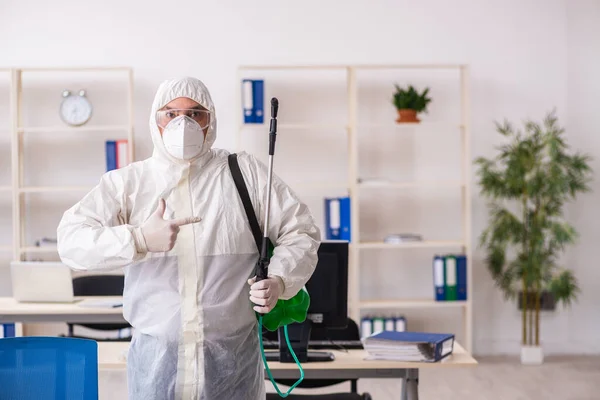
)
(49, 368)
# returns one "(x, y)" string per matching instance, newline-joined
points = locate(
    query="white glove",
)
(160, 234)
(265, 293)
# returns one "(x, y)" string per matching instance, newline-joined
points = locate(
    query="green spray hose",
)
(262, 351)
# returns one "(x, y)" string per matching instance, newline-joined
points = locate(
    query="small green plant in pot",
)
(409, 103)
(527, 185)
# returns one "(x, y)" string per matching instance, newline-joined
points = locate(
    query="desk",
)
(347, 365)
(13, 311)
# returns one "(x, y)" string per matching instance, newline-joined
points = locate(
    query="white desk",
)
(347, 365)
(13, 311)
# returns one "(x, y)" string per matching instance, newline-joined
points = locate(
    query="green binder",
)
(450, 277)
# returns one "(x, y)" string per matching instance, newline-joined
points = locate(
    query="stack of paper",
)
(409, 346)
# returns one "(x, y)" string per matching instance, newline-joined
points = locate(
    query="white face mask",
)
(183, 138)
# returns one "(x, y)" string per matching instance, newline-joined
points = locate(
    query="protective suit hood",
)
(170, 90)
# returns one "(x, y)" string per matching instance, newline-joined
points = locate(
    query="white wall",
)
(526, 58)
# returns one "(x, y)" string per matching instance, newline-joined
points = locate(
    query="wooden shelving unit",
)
(409, 303)
(50, 189)
(19, 130)
(357, 185)
(5, 131)
(410, 245)
(38, 250)
(86, 128)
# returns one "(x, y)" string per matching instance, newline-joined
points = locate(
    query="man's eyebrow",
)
(198, 107)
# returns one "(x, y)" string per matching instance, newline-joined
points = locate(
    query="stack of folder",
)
(409, 346)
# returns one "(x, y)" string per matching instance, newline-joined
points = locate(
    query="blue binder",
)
(247, 101)
(345, 217)
(111, 155)
(258, 101)
(428, 347)
(439, 278)
(332, 219)
(9, 330)
(461, 277)
(338, 218)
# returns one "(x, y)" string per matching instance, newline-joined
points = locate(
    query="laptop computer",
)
(41, 282)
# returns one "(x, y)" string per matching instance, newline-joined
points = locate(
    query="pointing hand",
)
(160, 234)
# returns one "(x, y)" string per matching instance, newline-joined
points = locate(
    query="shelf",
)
(280, 127)
(410, 303)
(48, 189)
(411, 66)
(90, 128)
(73, 69)
(43, 249)
(421, 244)
(288, 67)
(356, 66)
(317, 185)
(380, 183)
(412, 125)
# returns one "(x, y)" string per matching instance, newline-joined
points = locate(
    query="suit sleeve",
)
(93, 235)
(292, 229)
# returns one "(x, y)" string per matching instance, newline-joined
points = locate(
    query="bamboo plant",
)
(527, 185)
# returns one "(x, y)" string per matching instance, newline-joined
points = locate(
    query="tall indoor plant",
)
(527, 185)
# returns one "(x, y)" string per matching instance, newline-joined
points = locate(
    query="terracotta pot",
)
(407, 115)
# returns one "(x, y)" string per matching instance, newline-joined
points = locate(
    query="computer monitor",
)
(328, 287)
(328, 290)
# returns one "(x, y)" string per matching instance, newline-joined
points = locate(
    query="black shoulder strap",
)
(238, 178)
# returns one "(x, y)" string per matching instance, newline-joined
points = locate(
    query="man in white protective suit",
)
(176, 223)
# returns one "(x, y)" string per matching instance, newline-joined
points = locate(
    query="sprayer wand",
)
(263, 262)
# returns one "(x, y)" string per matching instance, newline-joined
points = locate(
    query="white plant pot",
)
(532, 355)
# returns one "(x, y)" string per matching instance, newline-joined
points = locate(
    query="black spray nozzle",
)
(273, 126)
(274, 107)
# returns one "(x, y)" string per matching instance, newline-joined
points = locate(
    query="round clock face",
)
(75, 110)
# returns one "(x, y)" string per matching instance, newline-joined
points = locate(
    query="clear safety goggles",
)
(202, 117)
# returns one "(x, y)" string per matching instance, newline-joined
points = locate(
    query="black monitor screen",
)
(328, 286)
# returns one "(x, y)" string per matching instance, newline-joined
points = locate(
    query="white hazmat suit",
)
(195, 332)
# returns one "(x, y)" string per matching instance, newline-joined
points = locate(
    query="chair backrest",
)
(49, 368)
(99, 285)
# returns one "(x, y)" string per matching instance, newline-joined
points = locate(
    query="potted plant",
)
(527, 185)
(409, 102)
